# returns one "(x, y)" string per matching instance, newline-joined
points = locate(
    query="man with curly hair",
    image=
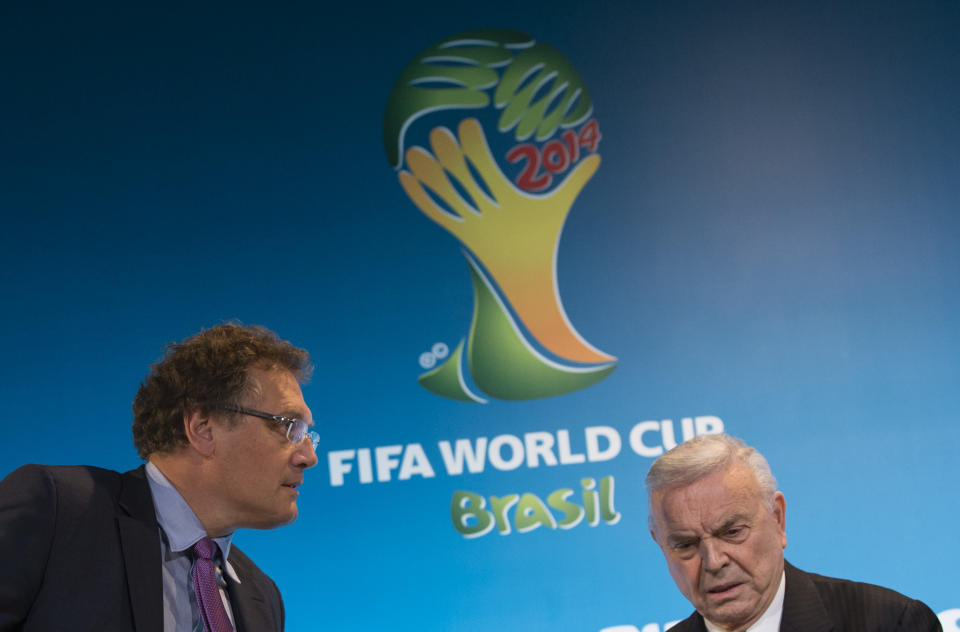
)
(222, 425)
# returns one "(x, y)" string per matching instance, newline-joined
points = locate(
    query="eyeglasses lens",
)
(298, 430)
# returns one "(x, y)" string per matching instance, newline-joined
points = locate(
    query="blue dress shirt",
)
(180, 529)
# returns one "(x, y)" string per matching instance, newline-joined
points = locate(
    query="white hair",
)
(703, 455)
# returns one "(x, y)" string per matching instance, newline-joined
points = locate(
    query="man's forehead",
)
(259, 377)
(714, 498)
(278, 387)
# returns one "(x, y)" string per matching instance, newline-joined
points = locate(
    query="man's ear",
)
(780, 515)
(198, 427)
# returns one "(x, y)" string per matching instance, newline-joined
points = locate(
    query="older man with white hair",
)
(717, 516)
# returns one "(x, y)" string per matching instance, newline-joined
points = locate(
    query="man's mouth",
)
(721, 590)
(292, 485)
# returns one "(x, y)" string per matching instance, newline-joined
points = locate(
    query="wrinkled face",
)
(258, 468)
(723, 546)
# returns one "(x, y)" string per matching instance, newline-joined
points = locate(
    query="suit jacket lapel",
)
(140, 544)
(250, 611)
(803, 611)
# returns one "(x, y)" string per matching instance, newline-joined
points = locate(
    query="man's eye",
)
(685, 551)
(736, 533)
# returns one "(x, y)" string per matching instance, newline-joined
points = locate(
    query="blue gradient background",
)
(772, 238)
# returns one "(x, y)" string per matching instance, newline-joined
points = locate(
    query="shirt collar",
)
(769, 621)
(179, 523)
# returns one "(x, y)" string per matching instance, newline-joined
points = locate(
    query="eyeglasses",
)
(297, 429)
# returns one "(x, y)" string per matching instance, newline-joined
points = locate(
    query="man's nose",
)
(305, 455)
(713, 556)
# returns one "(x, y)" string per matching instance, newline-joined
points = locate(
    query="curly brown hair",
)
(203, 372)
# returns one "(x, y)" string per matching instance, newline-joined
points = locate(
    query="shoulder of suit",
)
(77, 486)
(82, 476)
(825, 583)
(849, 593)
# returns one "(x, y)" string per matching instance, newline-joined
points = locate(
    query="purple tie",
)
(211, 608)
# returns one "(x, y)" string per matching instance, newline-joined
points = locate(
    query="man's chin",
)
(288, 517)
(279, 519)
(730, 613)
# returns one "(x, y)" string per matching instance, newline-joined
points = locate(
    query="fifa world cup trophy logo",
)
(506, 144)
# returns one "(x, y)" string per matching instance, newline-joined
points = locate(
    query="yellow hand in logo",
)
(514, 234)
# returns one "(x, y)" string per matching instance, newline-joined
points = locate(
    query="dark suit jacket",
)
(80, 550)
(813, 603)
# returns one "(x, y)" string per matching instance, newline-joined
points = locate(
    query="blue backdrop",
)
(770, 245)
